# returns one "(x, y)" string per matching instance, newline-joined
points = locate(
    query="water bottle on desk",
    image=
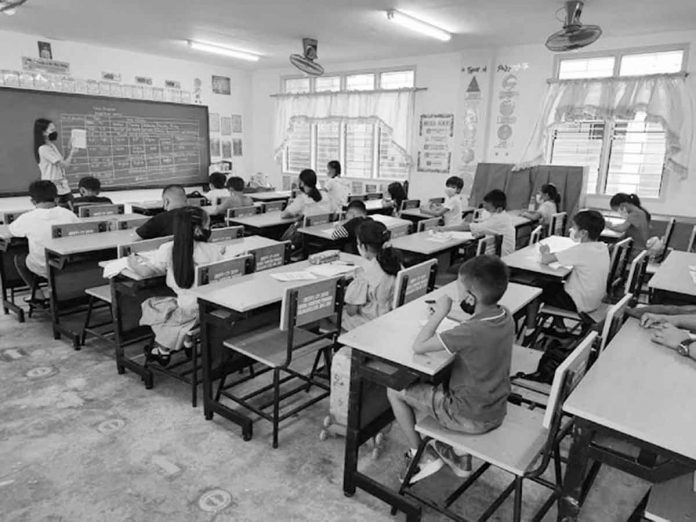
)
(532, 204)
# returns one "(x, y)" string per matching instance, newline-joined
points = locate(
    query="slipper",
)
(37, 303)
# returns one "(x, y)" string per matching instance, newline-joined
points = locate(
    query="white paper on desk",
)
(115, 267)
(439, 237)
(293, 276)
(557, 266)
(331, 269)
(78, 138)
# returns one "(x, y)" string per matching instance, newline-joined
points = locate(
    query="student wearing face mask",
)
(548, 200)
(51, 162)
(637, 220)
(585, 287)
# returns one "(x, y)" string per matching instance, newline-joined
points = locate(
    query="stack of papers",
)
(115, 267)
(293, 276)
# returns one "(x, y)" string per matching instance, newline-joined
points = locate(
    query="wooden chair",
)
(409, 204)
(400, 231)
(616, 317)
(240, 212)
(273, 206)
(691, 247)
(522, 446)
(100, 210)
(436, 201)
(271, 256)
(356, 197)
(277, 348)
(557, 225)
(489, 245)
(636, 276)
(535, 236)
(414, 282)
(226, 234)
(9, 217)
(620, 256)
(666, 240)
(428, 224)
(79, 229)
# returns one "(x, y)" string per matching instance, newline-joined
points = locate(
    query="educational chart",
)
(436, 132)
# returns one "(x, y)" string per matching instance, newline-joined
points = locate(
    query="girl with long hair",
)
(309, 201)
(548, 202)
(636, 223)
(52, 164)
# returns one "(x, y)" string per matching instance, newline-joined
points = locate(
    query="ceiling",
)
(348, 30)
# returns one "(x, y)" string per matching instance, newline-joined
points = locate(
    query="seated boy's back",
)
(498, 223)
(235, 198)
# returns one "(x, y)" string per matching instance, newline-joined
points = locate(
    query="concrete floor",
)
(78, 442)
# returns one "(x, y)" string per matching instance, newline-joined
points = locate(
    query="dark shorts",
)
(554, 294)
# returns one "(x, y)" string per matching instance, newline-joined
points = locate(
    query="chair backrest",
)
(242, 212)
(489, 245)
(271, 256)
(691, 247)
(9, 217)
(557, 224)
(79, 229)
(408, 204)
(373, 195)
(666, 240)
(273, 206)
(146, 245)
(223, 270)
(636, 274)
(101, 210)
(356, 197)
(226, 234)
(401, 230)
(570, 372)
(132, 223)
(619, 262)
(616, 317)
(436, 201)
(310, 303)
(428, 224)
(196, 201)
(414, 282)
(317, 219)
(535, 236)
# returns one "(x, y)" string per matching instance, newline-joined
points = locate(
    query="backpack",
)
(556, 350)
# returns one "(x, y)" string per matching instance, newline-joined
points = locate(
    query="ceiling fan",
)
(8, 7)
(574, 34)
(305, 62)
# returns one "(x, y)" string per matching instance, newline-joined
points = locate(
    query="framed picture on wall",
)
(222, 85)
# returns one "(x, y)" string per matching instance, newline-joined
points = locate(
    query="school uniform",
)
(498, 223)
(92, 200)
(338, 191)
(232, 200)
(171, 318)
(213, 195)
(36, 226)
(453, 216)
(547, 209)
(51, 169)
(303, 205)
(160, 225)
(638, 231)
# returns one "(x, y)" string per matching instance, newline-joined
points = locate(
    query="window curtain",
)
(393, 109)
(665, 99)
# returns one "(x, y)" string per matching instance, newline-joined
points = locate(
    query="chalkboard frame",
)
(203, 175)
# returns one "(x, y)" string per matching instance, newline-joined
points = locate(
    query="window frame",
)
(342, 74)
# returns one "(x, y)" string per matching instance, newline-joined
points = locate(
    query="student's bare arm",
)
(621, 227)
(427, 340)
(662, 310)
(464, 227)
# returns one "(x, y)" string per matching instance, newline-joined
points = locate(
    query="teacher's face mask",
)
(53, 136)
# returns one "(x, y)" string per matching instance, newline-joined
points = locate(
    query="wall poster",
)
(436, 134)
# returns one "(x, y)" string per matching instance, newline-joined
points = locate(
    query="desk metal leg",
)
(569, 504)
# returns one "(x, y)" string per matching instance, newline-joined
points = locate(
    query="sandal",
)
(162, 359)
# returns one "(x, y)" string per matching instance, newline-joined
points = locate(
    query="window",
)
(297, 85)
(360, 146)
(363, 81)
(360, 82)
(392, 162)
(328, 143)
(327, 84)
(621, 155)
(397, 80)
(298, 153)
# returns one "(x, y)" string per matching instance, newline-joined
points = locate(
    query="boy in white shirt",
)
(498, 222)
(586, 285)
(217, 191)
(451, 209)
(36, 225)
(336, 188)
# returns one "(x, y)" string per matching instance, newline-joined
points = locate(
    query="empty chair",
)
(616, 317)
(414, 282)
(535, 236)
(489, 245)
(557, 224)
(429, 224)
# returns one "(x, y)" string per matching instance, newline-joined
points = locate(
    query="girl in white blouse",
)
(548, 199)
(309, 202)
(51, 162)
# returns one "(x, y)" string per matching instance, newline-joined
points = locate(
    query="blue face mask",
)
(468, 304)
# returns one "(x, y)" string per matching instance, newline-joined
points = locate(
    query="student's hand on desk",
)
(544, 249)
(670, 336)
(653, 320)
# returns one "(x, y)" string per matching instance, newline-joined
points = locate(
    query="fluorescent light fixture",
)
(417, 25)
(225, 51)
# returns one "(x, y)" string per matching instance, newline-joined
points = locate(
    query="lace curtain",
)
(666, 99)
(393, 109)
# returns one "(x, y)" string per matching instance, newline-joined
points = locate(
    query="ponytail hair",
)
(40, 126)
(309, 179)
(552, 192)
(622, 198)
(190, 224)
(373, 235)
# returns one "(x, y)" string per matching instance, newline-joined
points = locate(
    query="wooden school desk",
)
(673, 283)
(269, 224)
(672, 501)
(267, 197)
(640, 392)
(377, 364)
(232, 307)
(9, 277)
(424, 245)
(416, 214)
(523, 227)
(527, 261)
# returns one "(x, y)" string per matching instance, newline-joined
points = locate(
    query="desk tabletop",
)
(270, 196)
(90, 242)
(518, 220)
(642, 390)
(673, 274)
(265, 220)
(528, 258)
(417, 213)
(243, 294)
(391, 336)
(426, 243)
(151, 205)
(112, 217)
(324, 231)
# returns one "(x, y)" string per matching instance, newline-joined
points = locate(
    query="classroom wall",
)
(89, 61)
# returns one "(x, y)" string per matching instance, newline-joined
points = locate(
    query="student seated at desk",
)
(397, 195)
(451, 209)
(673, 331)
(586, 284)
(174, 203)
(336, 188)
(356, 216)
(548, 199)
(497, 221)
(637, 220)
(36, 225)
(309, 201)
(475, 398)
(171, 318)
(89, 188)
(234, 198)
(216, 182)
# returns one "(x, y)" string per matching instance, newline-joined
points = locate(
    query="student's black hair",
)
(374, 234)
(189, 226)
(489, 275)
(40, 126)
(356, 204)
(398, 193)
(217, 180)
(619, 199)
(497, 198)
(173, 188)
(309, 179)
(90, 183)
(43, 191)
(335, 166)
(552, 192)
(455, 182)
(236, 184)
(590, 220)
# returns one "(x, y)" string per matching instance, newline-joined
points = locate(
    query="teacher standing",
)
(51, 162)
